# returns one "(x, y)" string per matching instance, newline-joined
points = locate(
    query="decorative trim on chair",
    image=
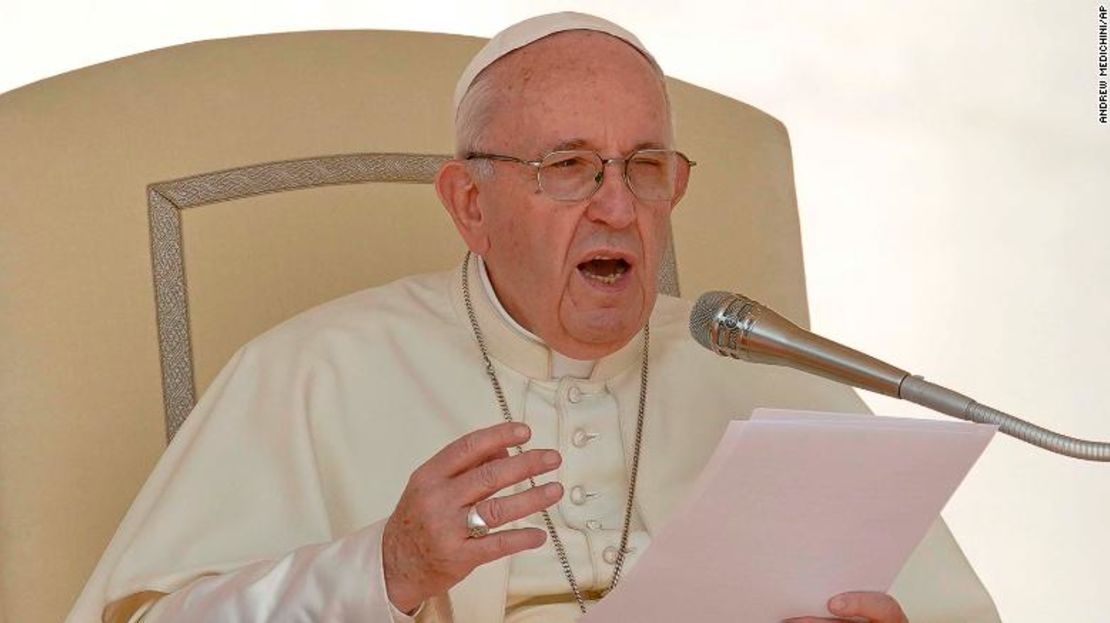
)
(172, 309)
(166, 200)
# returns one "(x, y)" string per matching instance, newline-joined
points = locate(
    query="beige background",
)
(951, 175)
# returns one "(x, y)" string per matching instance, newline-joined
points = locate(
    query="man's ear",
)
(458, 192)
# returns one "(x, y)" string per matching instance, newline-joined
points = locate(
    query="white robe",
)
(293, 458)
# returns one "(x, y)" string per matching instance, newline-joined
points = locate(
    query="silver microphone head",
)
(716, 317)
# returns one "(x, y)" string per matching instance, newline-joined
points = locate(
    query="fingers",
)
(497, 545)
(492, 476)
(427, 536)
(860, 605)
(877, 607)
(475, 448)
(499, 511)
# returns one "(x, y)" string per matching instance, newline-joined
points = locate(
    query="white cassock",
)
(269, 504)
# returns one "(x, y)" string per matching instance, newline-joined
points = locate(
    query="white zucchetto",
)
(533, 29)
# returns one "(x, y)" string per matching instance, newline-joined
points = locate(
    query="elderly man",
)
(350, 464)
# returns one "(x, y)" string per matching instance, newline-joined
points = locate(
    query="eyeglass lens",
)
(574, 175)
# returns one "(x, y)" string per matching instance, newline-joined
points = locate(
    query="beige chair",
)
(160, 210)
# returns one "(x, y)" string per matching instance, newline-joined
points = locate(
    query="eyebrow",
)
(574, 143)
(579, 143)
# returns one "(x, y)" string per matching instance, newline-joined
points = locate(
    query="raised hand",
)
(426, 546)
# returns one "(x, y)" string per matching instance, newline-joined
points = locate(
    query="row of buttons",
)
(581, 438)
(578, 496)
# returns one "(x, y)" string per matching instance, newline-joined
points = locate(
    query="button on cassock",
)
(579, 495)
(582, 437)
(609, 555)
(574, 394)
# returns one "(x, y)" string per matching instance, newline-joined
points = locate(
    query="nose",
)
(613, 203)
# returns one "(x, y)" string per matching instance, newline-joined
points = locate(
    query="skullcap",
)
(533, 29)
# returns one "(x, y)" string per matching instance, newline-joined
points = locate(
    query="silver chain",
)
(560, 550)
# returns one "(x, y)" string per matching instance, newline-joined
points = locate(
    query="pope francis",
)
(493, 443)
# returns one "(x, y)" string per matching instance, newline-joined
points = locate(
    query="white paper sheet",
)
(792, 508)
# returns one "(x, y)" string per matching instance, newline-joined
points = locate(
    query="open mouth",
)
(606, 270)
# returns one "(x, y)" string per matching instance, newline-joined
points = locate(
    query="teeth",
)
(609, 279)
(606, 279)
(617, 267)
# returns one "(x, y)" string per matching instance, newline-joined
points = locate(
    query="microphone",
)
(734, 325)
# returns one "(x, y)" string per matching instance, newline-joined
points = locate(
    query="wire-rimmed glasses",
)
(575, 175)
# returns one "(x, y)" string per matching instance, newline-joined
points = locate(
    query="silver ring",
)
(475, 525)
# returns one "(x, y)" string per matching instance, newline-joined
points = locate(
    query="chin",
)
(598, 336)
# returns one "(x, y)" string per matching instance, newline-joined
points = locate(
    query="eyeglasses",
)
(575, 175)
